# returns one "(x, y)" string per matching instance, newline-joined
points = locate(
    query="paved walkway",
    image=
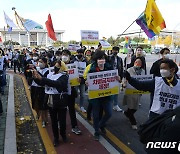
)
(4, 99)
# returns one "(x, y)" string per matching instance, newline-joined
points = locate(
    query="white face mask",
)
(65, 58)
(166, 56)
(165, 73)
(101, 63)
(41, 65)
(35, 58)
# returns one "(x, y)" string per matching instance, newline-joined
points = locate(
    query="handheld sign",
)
(81, 67)
(73, 74)
(105, 45)
(89, 37)
(73, 48)
(131, 90)
(101, 84)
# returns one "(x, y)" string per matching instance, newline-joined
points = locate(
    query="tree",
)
(73, 42)
(10, 42)
(111, 41)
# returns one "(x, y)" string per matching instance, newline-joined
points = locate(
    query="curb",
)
(10, 132)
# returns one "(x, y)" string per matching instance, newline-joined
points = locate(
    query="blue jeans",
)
(115, 99)
(81, 88)
(97, 104)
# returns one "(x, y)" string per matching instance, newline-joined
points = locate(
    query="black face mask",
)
(79, 56)
(115, 53)
(56, 69)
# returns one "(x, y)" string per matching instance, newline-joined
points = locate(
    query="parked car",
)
(156, 51)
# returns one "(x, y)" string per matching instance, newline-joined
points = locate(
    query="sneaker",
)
(76, 130)
(134, 127)
(96, 136)
(83, 110)
(117, 108)
(43, 124)
(103, 130)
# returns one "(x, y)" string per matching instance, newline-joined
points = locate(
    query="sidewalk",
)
(4, 99)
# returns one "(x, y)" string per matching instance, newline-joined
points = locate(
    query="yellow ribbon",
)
(169, 81)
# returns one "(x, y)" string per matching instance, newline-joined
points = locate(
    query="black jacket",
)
(155, 69)
(119, 64)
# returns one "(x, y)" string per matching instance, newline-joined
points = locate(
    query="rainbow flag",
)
(141, 21)
(127, 42)
(151, 21)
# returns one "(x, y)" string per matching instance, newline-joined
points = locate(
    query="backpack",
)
(154, 128)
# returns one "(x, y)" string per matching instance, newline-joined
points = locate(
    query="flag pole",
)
(14, 9)
(130, 25)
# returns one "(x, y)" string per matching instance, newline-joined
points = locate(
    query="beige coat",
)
(132, 101)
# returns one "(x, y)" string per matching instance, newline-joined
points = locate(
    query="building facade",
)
(36, 37)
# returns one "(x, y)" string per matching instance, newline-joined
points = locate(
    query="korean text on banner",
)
(81, 67)
(89, 37)
(73, 74)
(105, 45)
(131, 90)
(73, 48)
(101, 84)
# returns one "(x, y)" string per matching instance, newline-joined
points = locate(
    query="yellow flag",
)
(154, 19)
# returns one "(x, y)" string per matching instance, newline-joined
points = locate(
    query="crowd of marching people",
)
(51, 93)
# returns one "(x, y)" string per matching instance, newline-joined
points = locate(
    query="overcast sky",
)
(109, 17)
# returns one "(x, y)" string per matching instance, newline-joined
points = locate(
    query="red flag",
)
(50, 29)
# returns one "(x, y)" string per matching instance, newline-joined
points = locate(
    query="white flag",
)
(8, 21)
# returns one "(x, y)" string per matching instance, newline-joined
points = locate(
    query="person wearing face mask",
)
(166, 98)
(163, 88)
(88, 56)
(66, 58)
(3, 63)
(139, 53)
(132, 101)
(16, 60)
(100, 64)
(117, 63)
(80, 58)
(57, 88)
(38, 92)
(155, 69)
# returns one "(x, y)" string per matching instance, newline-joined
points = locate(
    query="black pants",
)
(58, 115)
(72, 112)
(1, 109)
(130, 114)
(16, 64)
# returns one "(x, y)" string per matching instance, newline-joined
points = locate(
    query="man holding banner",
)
(81, 64)
(117, 63)
(73, 77)
(102, 83)
(166, 88)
